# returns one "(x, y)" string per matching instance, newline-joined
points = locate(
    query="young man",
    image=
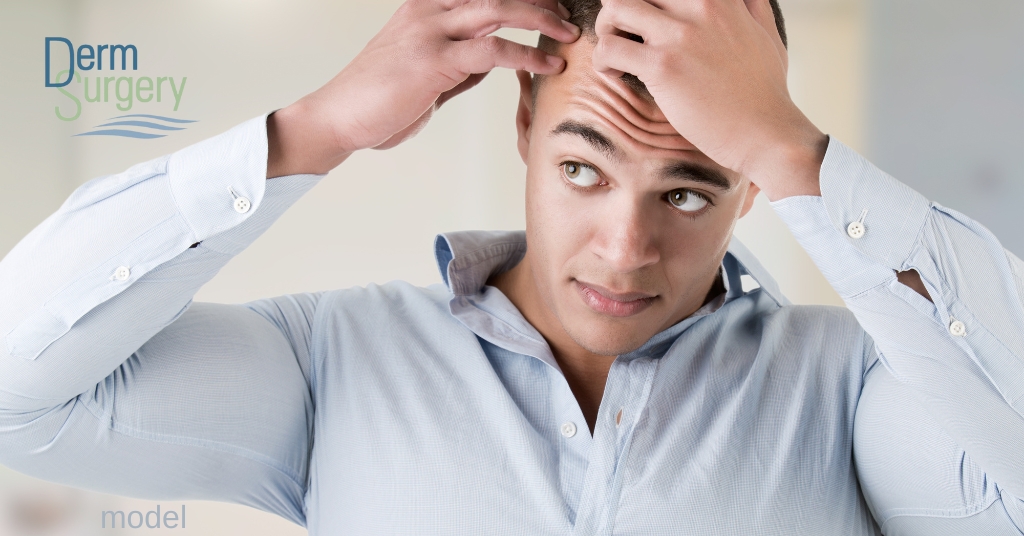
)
(612, 377)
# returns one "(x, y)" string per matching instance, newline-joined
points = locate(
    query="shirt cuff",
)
(865, 226)
(218, 196)
(219, 182)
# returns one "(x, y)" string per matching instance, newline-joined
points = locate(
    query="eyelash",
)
(570, 185)
(567, 182)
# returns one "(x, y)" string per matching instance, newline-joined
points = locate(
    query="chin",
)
(607, 340)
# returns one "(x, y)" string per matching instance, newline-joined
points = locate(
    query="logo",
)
(84, 83)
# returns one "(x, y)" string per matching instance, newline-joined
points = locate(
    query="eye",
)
(687, 200)
(580, 174)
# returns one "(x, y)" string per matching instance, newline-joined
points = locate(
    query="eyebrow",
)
(598, 141)
(689, 171)
(678, 170)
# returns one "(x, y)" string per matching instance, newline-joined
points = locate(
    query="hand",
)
(429, 52)
(717, 69)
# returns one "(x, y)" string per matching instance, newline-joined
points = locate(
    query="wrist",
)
(791, 165)
(299, 142)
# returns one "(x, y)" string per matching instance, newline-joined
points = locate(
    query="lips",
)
(608, 302)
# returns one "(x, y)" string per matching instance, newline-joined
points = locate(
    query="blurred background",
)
(932, 91)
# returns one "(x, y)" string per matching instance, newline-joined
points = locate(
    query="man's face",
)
(626, 222)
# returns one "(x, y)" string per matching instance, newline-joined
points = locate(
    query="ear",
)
(524, 114)
(748, 202)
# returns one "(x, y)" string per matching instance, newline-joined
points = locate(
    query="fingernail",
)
(565, 12)
(571, 27)
(555, 61)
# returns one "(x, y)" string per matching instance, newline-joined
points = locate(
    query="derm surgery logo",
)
(85, 83)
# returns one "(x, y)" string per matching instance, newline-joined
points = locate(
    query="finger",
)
(482, 54)
(551, 5)
(615, 54)
(477, 19)
(762, 12)
(632, 16)
(464, 86)
(408, 132)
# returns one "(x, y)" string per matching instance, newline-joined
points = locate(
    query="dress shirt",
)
(395, 409)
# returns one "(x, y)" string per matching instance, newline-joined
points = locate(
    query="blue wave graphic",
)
(122, 133)
(144, 130)
(160, 117)
(148, 124)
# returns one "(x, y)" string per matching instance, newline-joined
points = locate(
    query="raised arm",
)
(941, 421)
(717, 68)
(111, 379)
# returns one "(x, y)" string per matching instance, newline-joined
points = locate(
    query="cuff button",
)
(856, 230)
(242, 205)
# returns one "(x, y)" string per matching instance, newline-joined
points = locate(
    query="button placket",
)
(122, 273)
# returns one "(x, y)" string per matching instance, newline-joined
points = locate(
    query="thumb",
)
(463, 86)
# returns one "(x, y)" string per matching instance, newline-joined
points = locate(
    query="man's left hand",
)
(717, 69)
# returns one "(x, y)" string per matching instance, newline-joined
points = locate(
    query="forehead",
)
(634, 123)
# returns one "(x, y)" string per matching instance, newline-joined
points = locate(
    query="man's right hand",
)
(429, 52)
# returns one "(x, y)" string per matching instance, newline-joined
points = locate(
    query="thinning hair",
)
(584, 14)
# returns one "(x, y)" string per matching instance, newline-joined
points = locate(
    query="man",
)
(611, 377)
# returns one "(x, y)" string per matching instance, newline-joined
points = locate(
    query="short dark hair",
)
(584, 14)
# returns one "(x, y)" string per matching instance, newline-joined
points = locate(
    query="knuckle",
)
(676, 33)
(491, 8)
(491, 44)
(704, 8)
(661, 61)
(534, 55)
(544, 17)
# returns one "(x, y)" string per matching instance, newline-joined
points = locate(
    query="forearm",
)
(299, 142)
(110, 234)
(960, 353)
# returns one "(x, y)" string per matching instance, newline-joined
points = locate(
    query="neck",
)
(585, 372)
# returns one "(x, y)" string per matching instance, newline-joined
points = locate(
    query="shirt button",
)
(856, 229)
(242, 205)
(122, 273)
(568, 429)
(957, 329)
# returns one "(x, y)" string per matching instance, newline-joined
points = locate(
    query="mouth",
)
(607, 302)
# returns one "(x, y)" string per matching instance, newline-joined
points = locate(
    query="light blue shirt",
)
(393, 409)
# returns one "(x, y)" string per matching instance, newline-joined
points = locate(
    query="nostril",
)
(633, 37)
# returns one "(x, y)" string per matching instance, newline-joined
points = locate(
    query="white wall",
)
(946, 93)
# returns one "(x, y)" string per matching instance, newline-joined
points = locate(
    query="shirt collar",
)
(467, 259)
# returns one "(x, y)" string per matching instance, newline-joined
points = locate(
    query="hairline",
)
(585, 19)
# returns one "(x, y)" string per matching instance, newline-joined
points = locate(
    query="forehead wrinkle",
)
(622, 101)
(612, 117)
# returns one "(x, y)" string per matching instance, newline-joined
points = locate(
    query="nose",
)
(626, 237)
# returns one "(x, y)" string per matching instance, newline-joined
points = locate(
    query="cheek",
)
(556, 220)
(694, 249)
